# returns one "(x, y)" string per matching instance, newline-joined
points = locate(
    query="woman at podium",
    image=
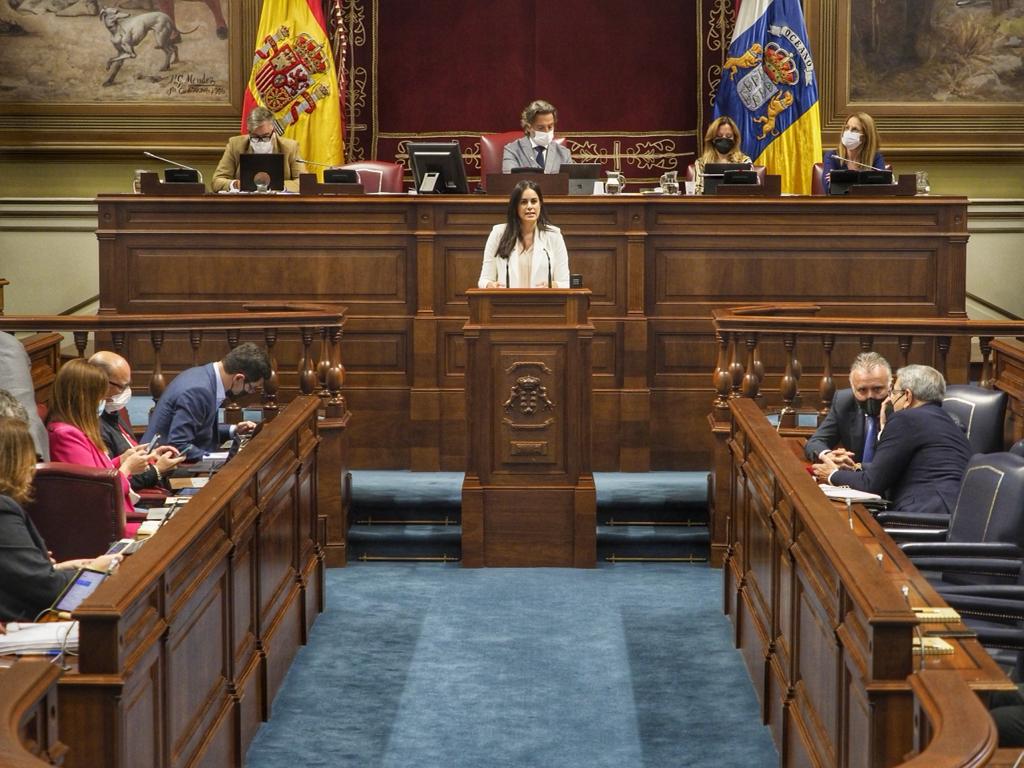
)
(527, 251)
(860, 148)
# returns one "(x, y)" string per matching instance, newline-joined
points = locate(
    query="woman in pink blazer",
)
(74, 426)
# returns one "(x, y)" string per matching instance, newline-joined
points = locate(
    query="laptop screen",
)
(249, 165)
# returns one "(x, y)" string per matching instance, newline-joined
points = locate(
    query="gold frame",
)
(88, 129)
(970, 130)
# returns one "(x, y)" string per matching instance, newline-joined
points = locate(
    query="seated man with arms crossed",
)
(922, 453)
(537, 149)
(262, 139)
(186, 414)
(853, 420)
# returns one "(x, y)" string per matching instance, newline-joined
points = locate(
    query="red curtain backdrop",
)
(632, 81)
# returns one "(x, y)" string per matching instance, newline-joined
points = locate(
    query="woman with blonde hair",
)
(721, 145)
(859, 148)
(73, 425)
(29, 580)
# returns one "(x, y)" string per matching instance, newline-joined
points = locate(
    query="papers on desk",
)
(177, 483)
(216, 456)
(842, 493)
(928, 615)
(25, 638)
(932, 646)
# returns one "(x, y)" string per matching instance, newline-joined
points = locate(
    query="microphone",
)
(313, 162)
(842, 160)
(180, 165)
(549, 266)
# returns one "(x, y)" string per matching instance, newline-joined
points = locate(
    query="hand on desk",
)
(841, 458)
(245, 427)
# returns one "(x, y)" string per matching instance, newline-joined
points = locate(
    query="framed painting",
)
(939, 76)
(95, 74)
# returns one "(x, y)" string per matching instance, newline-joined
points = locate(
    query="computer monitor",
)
(841, 180)
(340, 176)
(437, 167)
(251, 164)
(714, 173)
(181, 176)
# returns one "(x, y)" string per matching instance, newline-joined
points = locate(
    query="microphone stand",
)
(549, 266)
(842, 160)
(179, 165)
(508, 283)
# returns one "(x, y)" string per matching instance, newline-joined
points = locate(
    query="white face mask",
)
(261, 147)
(119, 401)
(101, 407)
(852, 139)
(543, 138)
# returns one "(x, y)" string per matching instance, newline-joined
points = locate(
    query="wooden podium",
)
(528, 497)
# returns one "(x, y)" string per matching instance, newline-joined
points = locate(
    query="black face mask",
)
(723, 146)
(870, 407)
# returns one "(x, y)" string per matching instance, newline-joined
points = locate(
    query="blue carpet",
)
(427, 665)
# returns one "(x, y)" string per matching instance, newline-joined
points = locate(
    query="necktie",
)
(870, 433)
(540, 156)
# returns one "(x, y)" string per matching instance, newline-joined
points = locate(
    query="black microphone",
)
(549, 266)
(180, 165)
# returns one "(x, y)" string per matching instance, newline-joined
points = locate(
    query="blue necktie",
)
(870, 433)
(540, 156)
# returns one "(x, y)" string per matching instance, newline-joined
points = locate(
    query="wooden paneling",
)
(656, 267)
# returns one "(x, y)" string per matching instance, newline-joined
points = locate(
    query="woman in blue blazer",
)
(859, 148)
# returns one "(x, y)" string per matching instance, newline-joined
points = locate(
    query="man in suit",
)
(853, 418)
(922, 453)
(262, 139)
(537, 149)
(186, 414)
(116, 428)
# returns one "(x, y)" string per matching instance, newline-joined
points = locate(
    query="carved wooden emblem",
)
(527, 395)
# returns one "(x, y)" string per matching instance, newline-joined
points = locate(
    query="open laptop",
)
(251, 164)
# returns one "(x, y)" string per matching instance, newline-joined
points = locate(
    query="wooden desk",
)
(28, 714)
(656, 267)
(183, 650)
(822, 624)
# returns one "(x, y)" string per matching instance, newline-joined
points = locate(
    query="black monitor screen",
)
(442, 158)
(251, 164)
(714, 173)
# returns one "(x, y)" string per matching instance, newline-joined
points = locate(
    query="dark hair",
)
(513, 230)
(248, 359)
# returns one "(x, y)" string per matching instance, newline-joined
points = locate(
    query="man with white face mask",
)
(115, 427)
(261, 139)
(537, 149)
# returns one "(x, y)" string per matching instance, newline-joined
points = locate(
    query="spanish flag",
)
(293, 76)
(769, 88)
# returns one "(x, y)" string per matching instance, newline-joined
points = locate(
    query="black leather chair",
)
(985, 539)
(980, 412)
(1017, 449)
(78, 510)
(996, 613)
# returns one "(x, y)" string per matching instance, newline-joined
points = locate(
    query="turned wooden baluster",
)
(307, 374)
(324, 363)
(751, 381)
(735, 366)
(789, 386)
(157, 384)
(942, 344)
(335, 375)
(826, 387)
(195, 338)
(81, 340)
(232, 410)
(722, 378)
(117, 338)
(270, 384)
(985, 343)
(905, 343)
(867, 343)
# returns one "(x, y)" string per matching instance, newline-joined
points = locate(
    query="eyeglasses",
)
(267, 137)
(119, 387)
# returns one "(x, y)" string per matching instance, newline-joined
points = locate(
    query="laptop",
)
(251, 164)
(714, 174)
(582, 177)
(78, 589)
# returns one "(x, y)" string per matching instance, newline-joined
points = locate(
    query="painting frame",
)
(89, 128)
(967, 130)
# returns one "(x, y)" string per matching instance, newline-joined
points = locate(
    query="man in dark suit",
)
(186, 414)
(537, 149)
(922, 453)
(854, 415)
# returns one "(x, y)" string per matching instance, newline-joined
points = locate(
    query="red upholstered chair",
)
(492, 145)
(817, 179)
(78, 510)
(382, 176)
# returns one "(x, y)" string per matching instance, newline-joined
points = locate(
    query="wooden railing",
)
(28, 716)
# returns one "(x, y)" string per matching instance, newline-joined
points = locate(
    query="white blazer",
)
(546, 243)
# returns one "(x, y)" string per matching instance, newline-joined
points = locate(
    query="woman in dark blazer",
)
(859, 146)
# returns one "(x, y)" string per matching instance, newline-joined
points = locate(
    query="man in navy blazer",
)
(186, 414)
(922, 453)
(537, 149)
(848, 421)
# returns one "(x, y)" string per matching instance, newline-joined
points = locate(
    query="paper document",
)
(29, 638)
(842, 493)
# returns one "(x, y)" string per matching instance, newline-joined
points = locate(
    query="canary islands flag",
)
(293, 76)
(768, 87)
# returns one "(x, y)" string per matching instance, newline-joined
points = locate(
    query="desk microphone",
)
(549, 266)
(313, 162)
(842, 160)
(179, 165)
